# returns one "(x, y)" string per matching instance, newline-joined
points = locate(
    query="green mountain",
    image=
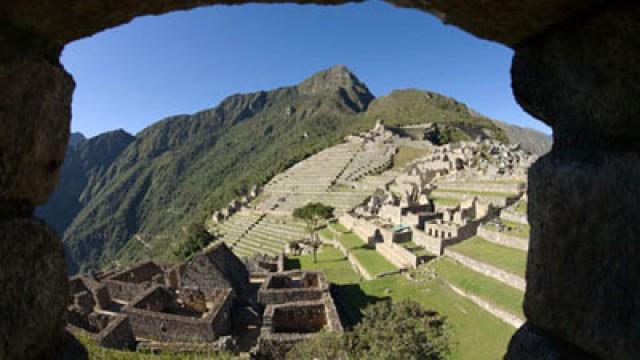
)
(134, 200)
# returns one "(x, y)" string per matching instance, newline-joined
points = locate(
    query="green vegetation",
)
(181, 169)
(518, 229)
(443, 201)
(388, 330)
(312, 214)
(339, 227)
(407, 154)
(369, 258)
(474, 333)
(503, 257)
(487, 288)
(520, 207)
(331, 261)
(196, 238)
(474, 192)
(96, 352)
(414, 248)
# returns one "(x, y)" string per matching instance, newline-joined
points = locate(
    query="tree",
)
(312, 214)
(400, 330)
(196, 237)
(388, 330)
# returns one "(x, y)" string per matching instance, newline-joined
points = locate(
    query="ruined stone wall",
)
(397, 255)
(125, 291)
(501, 314)
(503, 239)
(148, 323)
(513, 216)
(501, 275)
(118, 334)
(142, 272)
(484, 186)
(289, 292)
(432, 244)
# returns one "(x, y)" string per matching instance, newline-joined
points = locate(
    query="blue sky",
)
(183, 62)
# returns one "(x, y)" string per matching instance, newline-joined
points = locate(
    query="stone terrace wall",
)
(503, 239)
(482, 186)
(501, 314)
(432, 244)
(509, 215)
(501, 275)
(397, 255)
(165, 327)
(269, 295)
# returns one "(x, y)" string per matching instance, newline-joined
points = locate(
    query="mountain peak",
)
(339, 80)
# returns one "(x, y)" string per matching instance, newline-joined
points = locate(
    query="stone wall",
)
(501, 275)
(292, 290)
(284, 325)
(501, 314)
(503, 239)
(118, 334)
(432, 244)
(397, 255)
(574, 68)
(148, 322)
(482, 186)
(513, 216)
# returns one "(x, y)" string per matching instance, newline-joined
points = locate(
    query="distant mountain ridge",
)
(118, 190)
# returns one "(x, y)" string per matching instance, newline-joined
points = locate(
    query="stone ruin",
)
(298, 305)
(573, 68)
(236, 205)
(198, 304)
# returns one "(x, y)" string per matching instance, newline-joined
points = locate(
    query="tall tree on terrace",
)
(312, 214)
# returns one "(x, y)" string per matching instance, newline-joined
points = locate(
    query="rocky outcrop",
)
(582, 270)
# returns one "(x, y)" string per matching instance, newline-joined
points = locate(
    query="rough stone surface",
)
(509, 22)
(34, 289)
(565, 80)
(582, 283)
(506, 21)
(530, 343)
(35, 112)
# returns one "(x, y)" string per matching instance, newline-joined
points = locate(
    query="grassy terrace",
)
(443, 201)
(485, 287)
(415, 248)
(369, 258)
(339, 227)
(96, 352)
(475, 334)
(506, 258)
(331, 261)
(517, 229)
(407, 154)
(479, 193)
(520, 207)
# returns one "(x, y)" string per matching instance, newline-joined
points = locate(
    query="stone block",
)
(582, 273)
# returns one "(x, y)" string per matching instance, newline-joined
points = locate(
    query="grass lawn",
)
(503, 257)
(519, 230)
(407, 154)
(339, 227)
(331, 261)
(414, 248)
(99, 353)
(373, 261)
(487, 288)
(475, 334)
(443, 201)
(475, 192)
(520, 207)
(369, 258)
